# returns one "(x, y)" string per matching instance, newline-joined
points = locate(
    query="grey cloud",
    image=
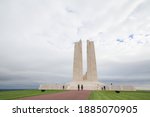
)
(125, 71)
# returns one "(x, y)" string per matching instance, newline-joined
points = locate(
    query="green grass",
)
(123, 95)
(8, 95)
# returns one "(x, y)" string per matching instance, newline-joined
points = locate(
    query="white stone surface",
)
(91, 62)
(51, 86)
(77, 64)
(121, 88)
(87, 85)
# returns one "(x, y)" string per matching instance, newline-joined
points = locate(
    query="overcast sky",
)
(37, 36)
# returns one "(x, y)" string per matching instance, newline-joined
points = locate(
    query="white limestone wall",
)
(51, 86)
(122, 88)
(87, 85)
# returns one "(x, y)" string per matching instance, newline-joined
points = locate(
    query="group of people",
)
(80, 87)
(104, 88)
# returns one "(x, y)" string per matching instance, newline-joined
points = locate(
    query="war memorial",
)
(89, 80)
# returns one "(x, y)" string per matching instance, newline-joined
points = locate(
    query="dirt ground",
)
(67, 95)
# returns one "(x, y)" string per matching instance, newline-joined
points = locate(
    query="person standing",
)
(81, 87)
(78, 87)
(104, 87)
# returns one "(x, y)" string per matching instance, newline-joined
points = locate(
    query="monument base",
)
(87, 85)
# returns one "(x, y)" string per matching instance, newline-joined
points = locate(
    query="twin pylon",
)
(91, 74)
(89, 80)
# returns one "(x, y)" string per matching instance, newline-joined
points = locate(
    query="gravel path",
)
(67, 95)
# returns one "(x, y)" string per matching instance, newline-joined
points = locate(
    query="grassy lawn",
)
(8, 95)
(123, 95)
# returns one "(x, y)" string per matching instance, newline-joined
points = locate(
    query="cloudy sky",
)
(37, 37)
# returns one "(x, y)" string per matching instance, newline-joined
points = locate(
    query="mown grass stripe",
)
(7, 95)
(123, 95)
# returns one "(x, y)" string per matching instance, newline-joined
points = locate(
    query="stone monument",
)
(89, 81)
